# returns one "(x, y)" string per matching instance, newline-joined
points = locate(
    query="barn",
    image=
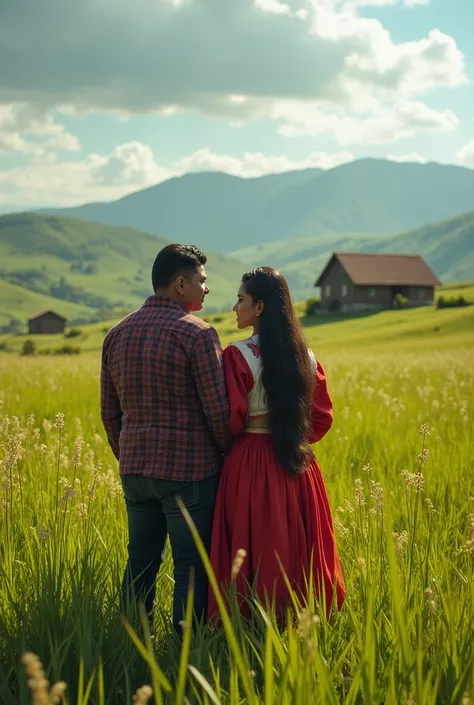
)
(353, 282)
(46, 321)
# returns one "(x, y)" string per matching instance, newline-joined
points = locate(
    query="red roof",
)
(39, 314)
(379, 269)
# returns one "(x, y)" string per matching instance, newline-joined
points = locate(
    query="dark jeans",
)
(152, 515)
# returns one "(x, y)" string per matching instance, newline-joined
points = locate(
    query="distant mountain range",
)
(101, 262)
(227, 213)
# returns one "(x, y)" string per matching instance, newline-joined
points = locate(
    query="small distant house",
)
(45, 322)
(357, 281)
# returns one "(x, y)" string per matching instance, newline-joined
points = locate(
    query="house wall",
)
(49, 323)
(341, 292)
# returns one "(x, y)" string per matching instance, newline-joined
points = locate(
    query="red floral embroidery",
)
(254, 348)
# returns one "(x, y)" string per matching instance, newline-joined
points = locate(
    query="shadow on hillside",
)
(313, 321)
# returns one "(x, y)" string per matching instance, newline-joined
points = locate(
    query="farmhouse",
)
(357, 281)
(46, 321)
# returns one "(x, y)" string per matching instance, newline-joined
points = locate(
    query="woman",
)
(272, 502)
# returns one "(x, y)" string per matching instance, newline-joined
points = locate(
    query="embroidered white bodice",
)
(250, 350)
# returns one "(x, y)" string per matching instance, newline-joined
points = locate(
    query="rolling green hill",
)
(226, 213)
(448, 247)
(84, 269)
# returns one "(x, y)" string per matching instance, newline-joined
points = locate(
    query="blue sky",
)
(103, 97)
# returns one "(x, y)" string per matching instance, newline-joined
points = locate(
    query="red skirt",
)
(281, 521)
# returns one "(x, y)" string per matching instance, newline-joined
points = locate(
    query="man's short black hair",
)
(173, 261)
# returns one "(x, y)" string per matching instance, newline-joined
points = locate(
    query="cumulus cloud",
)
(150, 54)
(132, 166)
(466, 154)
(385, 124)
(257, 164)
(19, 122)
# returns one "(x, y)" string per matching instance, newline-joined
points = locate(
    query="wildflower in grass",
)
(92, 491)
(425, 429)
(57, 692)
(77, 452)
(47, 426)
(38, 684)
(359, 493)
(340, 528)
(466, 698)
(59, 423)
(367, 468)
(4, 425)
(348, 506)
(401, 542)
(30, 420)
(424, 456)
(13, 451)
(430, 506)
(238, 562)
(377, 497)
(143, 695)
(413, 480)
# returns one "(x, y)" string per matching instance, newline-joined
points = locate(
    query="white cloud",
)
(132, 166)
(466, 154)
(257, 164)
(20, 121)
(385, 124)
(148, 55)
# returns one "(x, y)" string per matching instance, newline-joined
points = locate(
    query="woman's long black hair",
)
(287, 374)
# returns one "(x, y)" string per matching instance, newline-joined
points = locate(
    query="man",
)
(165, 411)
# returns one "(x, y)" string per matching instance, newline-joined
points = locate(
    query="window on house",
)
(327, 290)
(344, 290)
(371, 292)
(421, 293)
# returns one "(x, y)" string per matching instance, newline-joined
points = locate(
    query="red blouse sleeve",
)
(321, 409)
(239, 382)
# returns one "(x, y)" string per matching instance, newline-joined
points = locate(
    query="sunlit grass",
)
(402, 497)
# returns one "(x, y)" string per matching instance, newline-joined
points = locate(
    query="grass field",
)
(402, 494)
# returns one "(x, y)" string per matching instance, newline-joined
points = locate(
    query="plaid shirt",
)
(163, 397)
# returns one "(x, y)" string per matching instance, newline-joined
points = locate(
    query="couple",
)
(227, 432)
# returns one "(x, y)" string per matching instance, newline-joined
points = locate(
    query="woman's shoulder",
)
(247, 349)
(247, 345)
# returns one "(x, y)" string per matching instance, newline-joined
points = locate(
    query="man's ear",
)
(179, 285)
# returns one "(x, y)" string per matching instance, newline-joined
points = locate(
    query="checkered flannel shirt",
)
(163, 397)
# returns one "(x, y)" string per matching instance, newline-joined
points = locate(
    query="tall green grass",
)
(398, 465)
